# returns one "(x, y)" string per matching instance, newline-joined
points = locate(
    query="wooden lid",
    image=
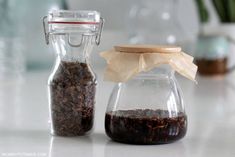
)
(147, 49)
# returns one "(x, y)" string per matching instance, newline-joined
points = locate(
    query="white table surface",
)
(24, 129)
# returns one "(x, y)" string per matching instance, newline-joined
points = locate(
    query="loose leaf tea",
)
(145, 126)
(72, 96)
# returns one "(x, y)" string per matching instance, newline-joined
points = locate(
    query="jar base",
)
(53, 133)
(141, 143)
(145, 127)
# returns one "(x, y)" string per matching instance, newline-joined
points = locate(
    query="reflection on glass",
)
(11, 111)
(113, 149)
(71, 147)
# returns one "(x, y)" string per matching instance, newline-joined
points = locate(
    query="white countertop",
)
(24, 129)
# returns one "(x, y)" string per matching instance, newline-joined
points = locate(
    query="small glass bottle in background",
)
(37, 55)
(211, 55)
(12, 63)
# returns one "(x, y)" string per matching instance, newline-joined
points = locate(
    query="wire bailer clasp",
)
(97, 38)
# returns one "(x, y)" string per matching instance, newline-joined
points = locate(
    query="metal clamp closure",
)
(45, 30)
(97, 38)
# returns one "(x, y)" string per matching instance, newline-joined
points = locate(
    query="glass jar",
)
(146, 105)
(72, 83)
(212, 54)
(147, 109)
(157, 16)
(12, 59)
(36, 54)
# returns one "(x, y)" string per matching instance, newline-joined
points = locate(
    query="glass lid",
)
(74, 17)
(84, 22)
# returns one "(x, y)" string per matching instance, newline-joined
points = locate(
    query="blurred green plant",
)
(224, 8)
(202, 10)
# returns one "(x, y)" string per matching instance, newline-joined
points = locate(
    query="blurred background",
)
(203, 28)
(22, 40)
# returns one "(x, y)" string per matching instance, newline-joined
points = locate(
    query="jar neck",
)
(73, 47)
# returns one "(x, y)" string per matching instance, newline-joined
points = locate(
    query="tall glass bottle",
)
(156, 21)
(72, 83)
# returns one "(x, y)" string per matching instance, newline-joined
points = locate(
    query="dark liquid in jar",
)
(212, 67)
(145, 126)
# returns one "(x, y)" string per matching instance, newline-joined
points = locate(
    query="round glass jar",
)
(148, 109)
(146, 104)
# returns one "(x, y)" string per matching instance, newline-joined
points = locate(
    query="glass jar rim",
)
(84, 22)
(69, 21)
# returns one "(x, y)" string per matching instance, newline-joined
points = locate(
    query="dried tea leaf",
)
(72, 91)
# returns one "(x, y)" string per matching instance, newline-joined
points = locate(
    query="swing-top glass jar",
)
(147, 108)
(72, 83)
